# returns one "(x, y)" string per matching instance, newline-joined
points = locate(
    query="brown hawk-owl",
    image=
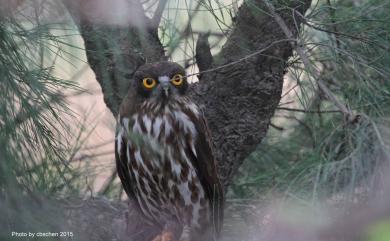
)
(164, 156)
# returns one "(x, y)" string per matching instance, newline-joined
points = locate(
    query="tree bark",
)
(239, 100)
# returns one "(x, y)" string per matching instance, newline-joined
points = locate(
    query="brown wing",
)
(121, 158)
(121, 165)
(205, 164)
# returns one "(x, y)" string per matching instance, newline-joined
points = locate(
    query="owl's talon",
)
(167, 236)
(164, 236)
(157, 238)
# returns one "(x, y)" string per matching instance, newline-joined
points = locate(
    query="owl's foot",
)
(164, 236)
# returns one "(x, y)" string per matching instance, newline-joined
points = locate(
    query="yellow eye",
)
(149, 83)
(177, 79)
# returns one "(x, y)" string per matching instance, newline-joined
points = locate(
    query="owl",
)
(164, 156)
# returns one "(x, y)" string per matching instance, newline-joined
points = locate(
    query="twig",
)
(311, 70)
(107, 184)
(212, 33)
(98, 145)
(87, 156)
(242, 59)
(307, 111)
(332, 14)
(286, 103)
(303, 124)
(364, 40)
(279, 128)
(187, 29)
(158, 13)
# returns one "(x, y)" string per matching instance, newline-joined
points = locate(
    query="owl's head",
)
(161, 80)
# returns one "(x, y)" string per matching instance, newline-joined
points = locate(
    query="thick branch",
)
(204, 59)
(242, 94)
(115, 49)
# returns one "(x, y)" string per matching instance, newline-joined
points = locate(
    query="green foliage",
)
(32, 139)
(320, 152)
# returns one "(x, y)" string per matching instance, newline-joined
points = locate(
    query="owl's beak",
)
(165, 84)
(166, 89)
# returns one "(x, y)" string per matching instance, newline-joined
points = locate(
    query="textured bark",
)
(239, 100)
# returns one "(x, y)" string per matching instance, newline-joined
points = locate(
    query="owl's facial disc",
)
(160, 81)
